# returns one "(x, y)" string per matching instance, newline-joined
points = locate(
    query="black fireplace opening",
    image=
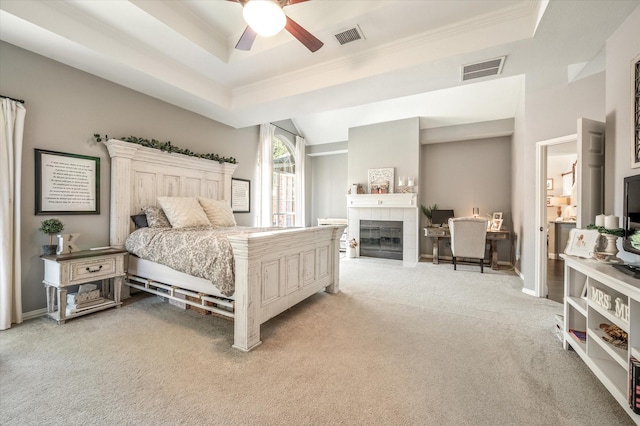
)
(381, 238)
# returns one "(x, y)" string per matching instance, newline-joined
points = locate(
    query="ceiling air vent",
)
(483, 69)
(352, 34)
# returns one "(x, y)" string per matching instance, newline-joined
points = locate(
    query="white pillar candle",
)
(410, 181)
(611, 222)
(600, 220)
(401, 181)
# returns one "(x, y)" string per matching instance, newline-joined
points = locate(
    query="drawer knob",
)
(94, 270)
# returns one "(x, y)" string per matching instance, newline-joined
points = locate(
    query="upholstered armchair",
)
(468, 238)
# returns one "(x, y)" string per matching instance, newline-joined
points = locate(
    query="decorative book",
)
(579, 335)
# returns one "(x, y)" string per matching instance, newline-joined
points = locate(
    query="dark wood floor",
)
(555, 280)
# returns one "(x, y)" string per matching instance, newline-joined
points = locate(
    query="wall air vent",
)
(483, 69)
(352, 34)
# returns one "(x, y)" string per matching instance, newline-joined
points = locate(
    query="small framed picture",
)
(497, 215)
(496, 224)
(549, 184)
(582, 242)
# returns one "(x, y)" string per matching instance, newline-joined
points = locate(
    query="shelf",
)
(578, 303)
(609, 315)
(619, 355)
(608, 363)
(107, 304)
(577, 345)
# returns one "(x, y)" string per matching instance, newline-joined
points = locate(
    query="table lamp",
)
(559, 202)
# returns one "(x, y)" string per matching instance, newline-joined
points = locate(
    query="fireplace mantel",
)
(394, 207)
(405, 200)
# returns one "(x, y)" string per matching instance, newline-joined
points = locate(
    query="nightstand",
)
(72, 269)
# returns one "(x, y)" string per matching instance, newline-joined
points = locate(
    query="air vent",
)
(352, 34)
(483, 69)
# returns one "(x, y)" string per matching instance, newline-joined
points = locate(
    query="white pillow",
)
(218, 211)
(183, 212)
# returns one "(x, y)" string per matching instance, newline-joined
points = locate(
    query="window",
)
(283, 204)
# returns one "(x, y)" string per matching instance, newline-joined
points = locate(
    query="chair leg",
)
(482, 266)
(454, 263)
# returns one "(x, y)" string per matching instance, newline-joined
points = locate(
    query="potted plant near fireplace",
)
(351, 249)
(50, 227)
(427, 211)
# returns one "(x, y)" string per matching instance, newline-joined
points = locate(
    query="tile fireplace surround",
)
(401, 207)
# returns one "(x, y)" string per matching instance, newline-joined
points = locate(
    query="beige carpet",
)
(415, 346)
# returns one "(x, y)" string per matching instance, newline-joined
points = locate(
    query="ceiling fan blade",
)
(247, 39)
(303, 35)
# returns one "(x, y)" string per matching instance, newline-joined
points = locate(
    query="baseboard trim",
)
(34, 314)
(529, 292)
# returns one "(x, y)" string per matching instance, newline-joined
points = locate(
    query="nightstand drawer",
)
(91, 269)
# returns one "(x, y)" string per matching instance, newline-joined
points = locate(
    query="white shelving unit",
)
(610, 364)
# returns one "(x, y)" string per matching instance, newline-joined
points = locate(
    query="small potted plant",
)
(351, 250)
(427, 211)
(50, 227)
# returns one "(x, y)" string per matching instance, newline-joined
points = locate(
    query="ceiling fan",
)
(267, 14)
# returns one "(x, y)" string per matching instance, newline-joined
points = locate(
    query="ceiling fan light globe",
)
(264, 16)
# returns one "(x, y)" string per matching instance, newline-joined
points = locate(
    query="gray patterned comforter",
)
(203, 252)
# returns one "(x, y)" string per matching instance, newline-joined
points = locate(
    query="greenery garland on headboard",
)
(167, 147)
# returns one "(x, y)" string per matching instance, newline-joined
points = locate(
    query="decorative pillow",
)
(140, 220)
(156, 217)
(183, 212)
(218, 211)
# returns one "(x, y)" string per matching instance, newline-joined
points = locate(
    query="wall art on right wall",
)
(635, 108)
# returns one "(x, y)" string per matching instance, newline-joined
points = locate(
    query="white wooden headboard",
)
(139, 175)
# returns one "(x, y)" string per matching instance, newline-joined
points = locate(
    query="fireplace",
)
(401, 208)
(381, 238)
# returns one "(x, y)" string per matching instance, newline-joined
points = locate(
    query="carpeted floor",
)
(397, 346)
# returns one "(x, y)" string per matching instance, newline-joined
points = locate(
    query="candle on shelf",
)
(476, 211)
(600, 220)
(611, 222)
(401, 180)
(410, 181)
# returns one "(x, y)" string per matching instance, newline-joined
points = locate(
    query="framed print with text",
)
(240, 195)
(66, 183)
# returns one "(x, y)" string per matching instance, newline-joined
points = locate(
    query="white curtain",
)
(12, 124)
(265, 167)
(300, 183)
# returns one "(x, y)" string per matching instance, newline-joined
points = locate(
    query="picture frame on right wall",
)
(635, 112)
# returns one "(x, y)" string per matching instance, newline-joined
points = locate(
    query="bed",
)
(274, 270)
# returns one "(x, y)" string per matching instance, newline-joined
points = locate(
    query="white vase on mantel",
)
(351, 252)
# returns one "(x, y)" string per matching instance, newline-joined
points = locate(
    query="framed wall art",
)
(635, 109)
(240, 195)
(66, 183)
(381, 181)
(549, 184)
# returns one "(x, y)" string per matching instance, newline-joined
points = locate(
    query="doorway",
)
(550, 279)
(589, 189)
(561, 210)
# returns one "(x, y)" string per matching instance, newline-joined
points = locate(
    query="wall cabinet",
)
(596, 294)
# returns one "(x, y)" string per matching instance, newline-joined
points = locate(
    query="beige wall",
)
(552, 107)
(329, 187)
(466, 174)
(65, 107)
(392, 144)
(622, 47)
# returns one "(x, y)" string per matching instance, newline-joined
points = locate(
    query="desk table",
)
(443, 234)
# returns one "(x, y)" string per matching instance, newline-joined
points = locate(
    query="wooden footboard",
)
(276, 270)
